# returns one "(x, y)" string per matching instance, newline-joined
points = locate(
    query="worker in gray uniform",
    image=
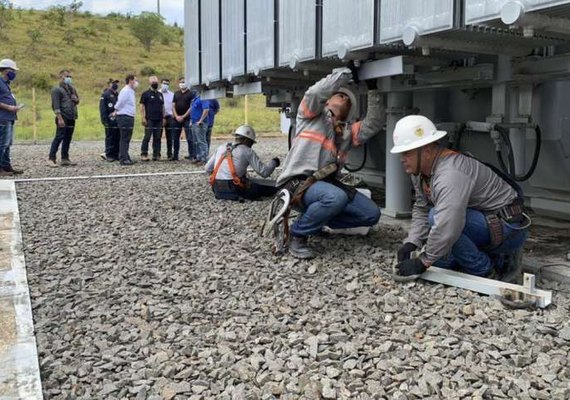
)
(468, 214)
(228, 169)
(326, 129)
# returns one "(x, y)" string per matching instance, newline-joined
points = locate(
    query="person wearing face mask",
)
(64, 101)
(152, 114)
(8, 115)
(181, 110)
(125, 110)
(109, 121)
(168, 121)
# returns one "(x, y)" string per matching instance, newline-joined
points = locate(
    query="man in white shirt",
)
(125, 110)
(169, 121)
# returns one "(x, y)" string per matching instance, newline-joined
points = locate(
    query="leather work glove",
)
(413, 266)
(277, 162)
(354, 71)
(405, 251)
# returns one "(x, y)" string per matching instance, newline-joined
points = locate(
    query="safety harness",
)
(238, 182)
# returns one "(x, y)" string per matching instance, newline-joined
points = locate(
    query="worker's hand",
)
(60, 123)
(405, 251)
(413, 266)
(354, 71)
(277, 162)
(179, 118)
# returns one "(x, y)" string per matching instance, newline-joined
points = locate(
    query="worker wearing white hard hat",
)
(8, 115)
(327, 127)
(228, 169)
(469, 215)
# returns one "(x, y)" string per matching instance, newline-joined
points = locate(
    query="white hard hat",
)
(246, 131)
(354, 112)
(414, 131)
(7, 63)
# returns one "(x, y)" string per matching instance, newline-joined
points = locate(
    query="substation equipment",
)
(494, 73)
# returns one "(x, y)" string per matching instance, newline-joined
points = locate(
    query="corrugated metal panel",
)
(260, 35)
(191, 42)
(477, 11)
(210, 27)
(297, 31)
(426, 16)
(233, 41)
(347, 28)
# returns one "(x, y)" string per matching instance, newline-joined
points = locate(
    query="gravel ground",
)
(149, 288)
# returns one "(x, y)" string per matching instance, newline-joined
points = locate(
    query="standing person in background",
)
(64, 101)
(8, 116)
(125, 112)
(152, 113)
(168, 122)
(213, 109)
(109, 121)
(181, 111)
(199, 123)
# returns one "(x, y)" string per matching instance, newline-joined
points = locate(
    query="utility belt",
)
(223, 185)
(510, 214)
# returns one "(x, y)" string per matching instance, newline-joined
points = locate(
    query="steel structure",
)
(489, 71)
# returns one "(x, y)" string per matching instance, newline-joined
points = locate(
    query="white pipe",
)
(515, 13)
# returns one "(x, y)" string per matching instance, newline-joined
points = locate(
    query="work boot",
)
(3, 172)
(299, 248)
(14, 171)
(66, 162)
(144, 157)
(512, 267)
(52, 163)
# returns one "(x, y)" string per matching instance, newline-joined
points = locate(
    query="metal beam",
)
(216, 93)
(525, 292)
(385, 67)
(247, 88)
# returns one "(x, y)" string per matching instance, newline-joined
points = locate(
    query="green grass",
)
(96, 48)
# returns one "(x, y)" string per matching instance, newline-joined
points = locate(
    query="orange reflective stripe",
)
(235, 178)
(320, 138)
(216, 168)
(305, 110)
(355, 130)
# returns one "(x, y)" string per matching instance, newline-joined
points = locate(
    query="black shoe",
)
(512, 267)
(299, 248)
(187, 157)
(127, 163)
(14, 171)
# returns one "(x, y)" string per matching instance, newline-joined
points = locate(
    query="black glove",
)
(405, 251)
(277, 162)
(413, 266)
(354, 71)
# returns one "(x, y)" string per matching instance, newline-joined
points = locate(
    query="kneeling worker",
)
(228, 169)
(468, 215)
(326, 130)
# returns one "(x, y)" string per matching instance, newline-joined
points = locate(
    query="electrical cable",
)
(350, 169)
(511, 168)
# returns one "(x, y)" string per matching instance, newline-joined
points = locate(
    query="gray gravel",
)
(148, 288)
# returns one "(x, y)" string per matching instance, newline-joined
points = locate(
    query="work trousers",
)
(112, 139)
(63, 136)
(471, 253)
(176, 133)
(6, 138)
(227, 190)
(169, 127)
(327, 204)
(153, 129)
(200, 145)
(126, 124)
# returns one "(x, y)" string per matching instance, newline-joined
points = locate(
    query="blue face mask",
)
(11, 75)
(67, 80)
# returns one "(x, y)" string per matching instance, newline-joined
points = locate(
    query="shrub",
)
(148, 71)
(146, 28)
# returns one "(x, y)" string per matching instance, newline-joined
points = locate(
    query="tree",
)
(147, 28)
(5, 15)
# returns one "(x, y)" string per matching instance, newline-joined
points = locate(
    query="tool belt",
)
(512, 213)
(299, 184)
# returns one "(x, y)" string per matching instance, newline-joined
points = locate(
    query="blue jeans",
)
(467, 254)
(200, 145)
(209, 136)
(327, 204)
(6, 136)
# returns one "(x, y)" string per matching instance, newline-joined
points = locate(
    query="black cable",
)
(537, 146)
(511, 169)
(289, 136)
(363, 161)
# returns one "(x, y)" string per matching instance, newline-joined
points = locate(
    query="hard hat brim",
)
(418, 143)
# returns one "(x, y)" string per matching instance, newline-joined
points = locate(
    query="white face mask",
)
(182, 86)
(136, 85)
(165, 87)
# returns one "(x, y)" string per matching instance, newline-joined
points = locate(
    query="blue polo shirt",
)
(196, 109)
(6, 97)
(213, 108)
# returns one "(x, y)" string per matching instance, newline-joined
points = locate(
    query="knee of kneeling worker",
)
(337, 199)
(373, 217)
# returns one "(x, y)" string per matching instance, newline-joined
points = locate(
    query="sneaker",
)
(52, 163)
(144, 157)
(173, 159)
(67, 163)
(103, 156)
(14, 171)
(299, 248)
(3, 172)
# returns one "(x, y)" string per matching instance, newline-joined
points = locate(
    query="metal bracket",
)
(211, 94)
(525, 292)
(382, 68)
(247, 88)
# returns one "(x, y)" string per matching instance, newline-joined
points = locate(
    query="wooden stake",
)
(34, 119)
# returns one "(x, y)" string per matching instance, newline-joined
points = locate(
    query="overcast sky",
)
(171, 10)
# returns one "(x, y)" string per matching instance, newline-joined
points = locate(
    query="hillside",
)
(96, 48)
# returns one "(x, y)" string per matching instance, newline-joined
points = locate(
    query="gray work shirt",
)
(64, 100)
(457, 182)
(242, 156)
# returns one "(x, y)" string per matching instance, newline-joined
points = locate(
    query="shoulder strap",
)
(227, 156)
(506, 177)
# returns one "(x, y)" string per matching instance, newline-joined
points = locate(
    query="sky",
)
(171, 10)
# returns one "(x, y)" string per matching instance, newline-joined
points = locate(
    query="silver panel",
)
(210, 27)
(297, 31)
(340, 37)
(233, 41)
(260, 35)
(425, 16)
(477, 11)
(191, 43)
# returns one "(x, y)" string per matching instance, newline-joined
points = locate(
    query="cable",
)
(511, 169)
(349, 169)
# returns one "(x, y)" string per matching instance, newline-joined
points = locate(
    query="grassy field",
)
(96, 48)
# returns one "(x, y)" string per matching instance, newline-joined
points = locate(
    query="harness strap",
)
(235, 178)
